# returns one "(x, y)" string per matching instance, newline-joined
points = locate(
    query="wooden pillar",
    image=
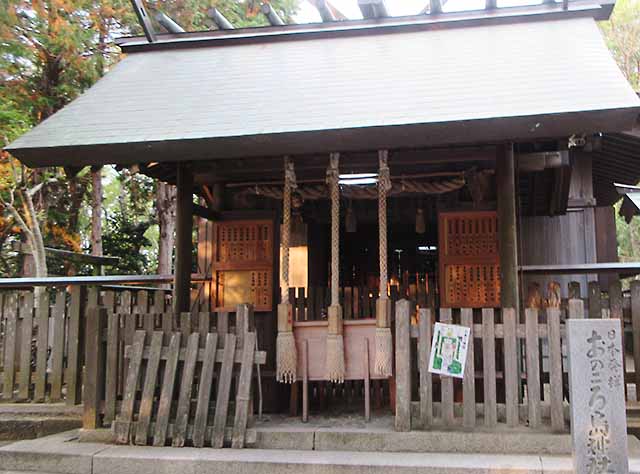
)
(507, 226)
(184, 227)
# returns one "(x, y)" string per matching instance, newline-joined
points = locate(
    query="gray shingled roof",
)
(411, 88)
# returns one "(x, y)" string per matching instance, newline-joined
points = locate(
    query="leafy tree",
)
(622, 33)
(51, 51)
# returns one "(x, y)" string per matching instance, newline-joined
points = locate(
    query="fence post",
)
(76, 340)
(595, 305)
(94, 367)
(403, 366)
(635, 335)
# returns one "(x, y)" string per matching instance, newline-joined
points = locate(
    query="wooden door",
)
(243, 264)
(469, 260)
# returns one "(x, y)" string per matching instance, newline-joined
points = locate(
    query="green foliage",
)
(126, 239)
(50, 52)
(622, 33)
(192, 14)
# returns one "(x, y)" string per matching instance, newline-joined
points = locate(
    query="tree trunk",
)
(166, 204)
(96, 211)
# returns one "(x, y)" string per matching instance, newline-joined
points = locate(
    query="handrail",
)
(92, 280)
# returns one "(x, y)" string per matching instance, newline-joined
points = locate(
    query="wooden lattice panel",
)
(243, 264)
(243, 244)
(469, 259)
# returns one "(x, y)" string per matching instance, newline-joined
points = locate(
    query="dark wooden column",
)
(184, 244)
(507, 226)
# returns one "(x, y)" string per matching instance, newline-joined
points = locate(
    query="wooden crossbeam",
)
(435, 7)
(268, 11)
(373, 8)
(168, 24)
(428, 9)
(219, 19)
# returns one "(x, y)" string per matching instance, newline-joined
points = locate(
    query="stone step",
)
(63, 454)
(19, 421)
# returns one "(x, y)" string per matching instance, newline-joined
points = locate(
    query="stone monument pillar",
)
(596, 386)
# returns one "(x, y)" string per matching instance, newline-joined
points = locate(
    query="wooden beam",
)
(268, 11)
(219, 19)
(373, 8)
(144, 20)
(507, 227)
(184, 244)
(205, 212)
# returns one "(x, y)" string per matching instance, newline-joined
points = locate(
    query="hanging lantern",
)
(421, 226)
(298, 231)
(351, 222)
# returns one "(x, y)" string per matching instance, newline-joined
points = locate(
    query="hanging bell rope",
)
(286, 354)
(335, 344)
(383, 341)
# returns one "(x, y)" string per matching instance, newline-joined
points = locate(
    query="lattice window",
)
(469, 259)
(243, 264)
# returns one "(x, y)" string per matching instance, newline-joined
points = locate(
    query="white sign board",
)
(449, 349)
(596, 387)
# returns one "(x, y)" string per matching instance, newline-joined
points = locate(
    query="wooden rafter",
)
(328, 11)
(428, 9)
(273, 17)
(219, 19)
(373, 8)
(167, 23)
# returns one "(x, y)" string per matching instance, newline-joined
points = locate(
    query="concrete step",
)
(63, 454)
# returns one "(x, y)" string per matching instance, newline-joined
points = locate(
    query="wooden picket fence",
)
(151, 376)
(505, 374)
(42, 345)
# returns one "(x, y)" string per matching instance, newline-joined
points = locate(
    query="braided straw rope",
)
(334, 192)
(289, 185)
(286, 354)
(310, 192)
(383, 340)
(384, 185)
(335, 368)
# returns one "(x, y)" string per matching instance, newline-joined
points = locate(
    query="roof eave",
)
(489, 130)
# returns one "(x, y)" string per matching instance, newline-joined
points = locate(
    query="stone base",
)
(351, 433)
(62, 453)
